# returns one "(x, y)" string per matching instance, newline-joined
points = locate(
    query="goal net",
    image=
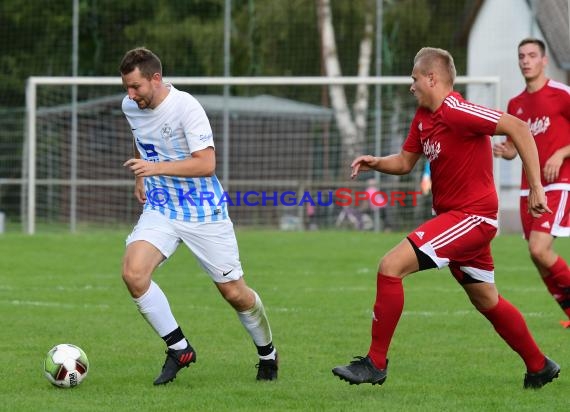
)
(283, 148)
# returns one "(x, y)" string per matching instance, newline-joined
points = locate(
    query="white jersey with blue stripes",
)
(173, 130)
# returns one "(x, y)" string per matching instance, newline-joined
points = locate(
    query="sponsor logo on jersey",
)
(519, 111)
(420, 234)
(205, 137)
(545, 225)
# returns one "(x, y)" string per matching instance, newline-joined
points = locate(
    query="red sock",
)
(555, 290)
(558, 284)
(511, 326)
(388, 307)
(560, 268)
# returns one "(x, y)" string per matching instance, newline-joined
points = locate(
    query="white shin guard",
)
(255, 322)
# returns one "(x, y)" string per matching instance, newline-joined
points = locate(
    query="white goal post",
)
(72, 180)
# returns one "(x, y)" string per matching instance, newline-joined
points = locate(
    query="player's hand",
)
(537, 203)
(552, 167)
(140, 193)
(361, 164)
(141, 168)
(504, 150)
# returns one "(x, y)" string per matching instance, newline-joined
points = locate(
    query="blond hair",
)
(430, 59)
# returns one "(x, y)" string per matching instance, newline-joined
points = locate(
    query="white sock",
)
(181, 344)
(255, 322)
(272, 355)
(155, 308)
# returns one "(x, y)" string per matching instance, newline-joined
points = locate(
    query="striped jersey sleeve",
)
(470, 117)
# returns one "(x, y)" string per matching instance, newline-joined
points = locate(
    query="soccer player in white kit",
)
(174, 168)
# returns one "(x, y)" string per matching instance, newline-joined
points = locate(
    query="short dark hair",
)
(533, 40)
(147, 62)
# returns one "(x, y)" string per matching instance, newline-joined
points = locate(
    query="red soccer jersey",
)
(456, 140)
(547, 112)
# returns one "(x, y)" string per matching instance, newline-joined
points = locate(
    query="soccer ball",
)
(66, 365)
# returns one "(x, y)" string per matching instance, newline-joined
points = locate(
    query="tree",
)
(33, 43)
(352, 126)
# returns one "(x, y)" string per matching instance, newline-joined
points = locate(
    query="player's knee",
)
(127, 277)
(239, 298)
(483, 295)
(136, 281)
(390, 267)
(483, 303)
(232, 295)
(132, 275)
(538, 251)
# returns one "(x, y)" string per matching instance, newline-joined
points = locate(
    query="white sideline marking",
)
(421, 313)
(528, 268)
(341, 289)
(285, 310)
(53, 304)
(461, 313)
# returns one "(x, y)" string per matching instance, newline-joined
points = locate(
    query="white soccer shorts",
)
(213, 244)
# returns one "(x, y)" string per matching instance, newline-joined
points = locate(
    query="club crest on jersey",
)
(166, 132)
(420, 126)
(540, 125)
(431, 150)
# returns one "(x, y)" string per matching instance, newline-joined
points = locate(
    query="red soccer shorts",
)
(461, 241)
(556, 223)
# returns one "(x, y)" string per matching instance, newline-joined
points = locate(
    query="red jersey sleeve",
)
(471, 119)
(413, 142)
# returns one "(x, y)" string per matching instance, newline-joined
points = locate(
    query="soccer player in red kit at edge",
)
(545, 106)
(454, 135)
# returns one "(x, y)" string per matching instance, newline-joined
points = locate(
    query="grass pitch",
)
(318, 289)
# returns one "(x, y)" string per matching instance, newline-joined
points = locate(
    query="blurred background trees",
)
(268, 38)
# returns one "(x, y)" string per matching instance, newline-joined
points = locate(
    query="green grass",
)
(318, 289)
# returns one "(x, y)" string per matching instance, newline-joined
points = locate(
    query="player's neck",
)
(438, 98)
(161, 94)
(534, 85)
